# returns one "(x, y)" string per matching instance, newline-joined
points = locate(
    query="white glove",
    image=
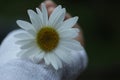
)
(14, 68)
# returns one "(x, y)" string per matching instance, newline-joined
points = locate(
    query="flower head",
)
(48, 38)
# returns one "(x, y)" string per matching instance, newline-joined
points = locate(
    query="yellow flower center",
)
(47, 39)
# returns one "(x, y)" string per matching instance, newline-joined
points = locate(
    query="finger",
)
(67, 16)
(50, 5)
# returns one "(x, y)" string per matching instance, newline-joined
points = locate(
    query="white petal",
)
(69, 23)
(55, 61)
(63, 54)
(25, 25)
(69, 33)
(40, 15)
(24, 36)
(58, 25)
(29, 52)
(33, 33)
(77, 30)
(24, 41)
(28, 45)
(35, 19)
(54, 14)
(45, 14)
(58, 17)
(47, 58)
(65, 29)
(37, 58)
(72, 44)
(21, 52)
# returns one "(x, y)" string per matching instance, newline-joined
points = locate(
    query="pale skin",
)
(51, 6)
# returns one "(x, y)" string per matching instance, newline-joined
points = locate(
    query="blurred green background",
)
(100, 21)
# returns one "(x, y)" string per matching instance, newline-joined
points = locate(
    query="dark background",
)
(100, 21)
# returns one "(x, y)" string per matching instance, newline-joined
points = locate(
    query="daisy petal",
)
(58, 17)
(55, 61)
(35, 19)
(72, 44)
(69, 23)
(40, 15)
(53, 14)
(21, 52)
(47, 59)
(45, 14)
(24, 36)
(77, 30)
(37, 58)
(59, 25)
(59, 62)
(69, 33)
(24, 41)
(32, 32)
(29, 52)
(25, 25)
(63, 54)
(28, 45)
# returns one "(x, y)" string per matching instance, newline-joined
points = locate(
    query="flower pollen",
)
(47, 38)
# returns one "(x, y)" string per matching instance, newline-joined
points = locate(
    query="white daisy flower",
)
(48, 38)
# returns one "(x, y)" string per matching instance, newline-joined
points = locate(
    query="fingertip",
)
(67, 16)
(49, 3)
(50, 10)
